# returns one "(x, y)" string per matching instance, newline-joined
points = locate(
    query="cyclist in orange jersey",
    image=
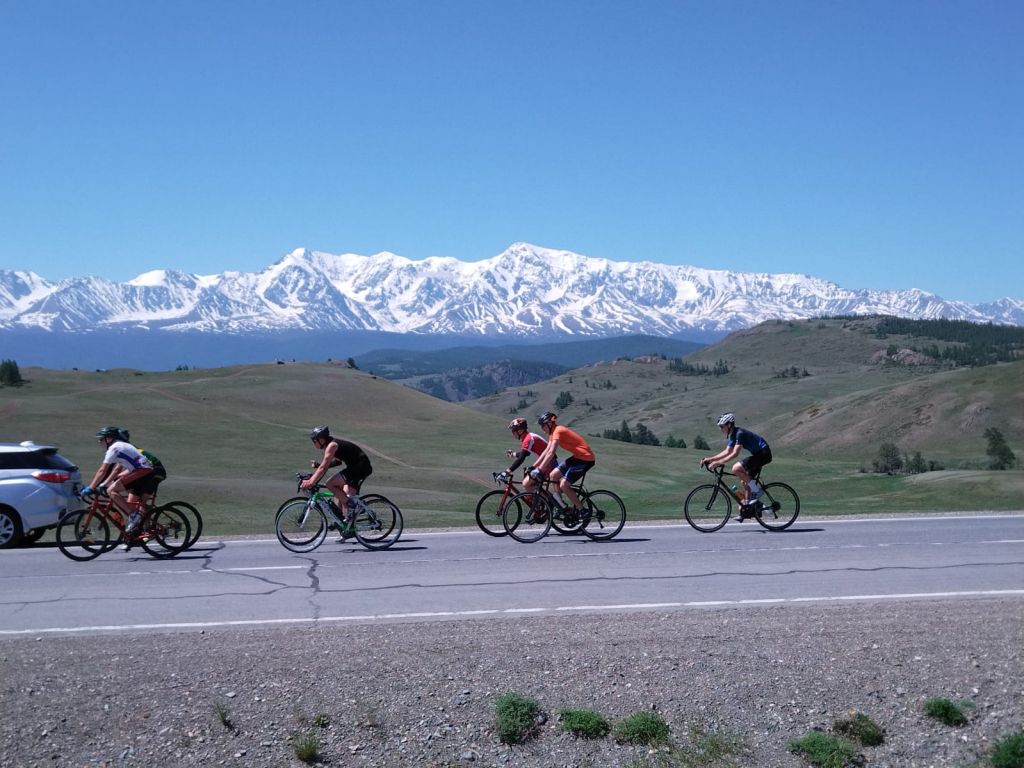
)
(581, 458)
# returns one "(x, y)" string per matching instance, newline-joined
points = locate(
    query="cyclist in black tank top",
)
(338, 451)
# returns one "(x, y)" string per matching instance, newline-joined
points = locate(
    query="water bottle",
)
(737, 493)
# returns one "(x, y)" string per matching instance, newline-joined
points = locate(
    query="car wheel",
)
(10, 528)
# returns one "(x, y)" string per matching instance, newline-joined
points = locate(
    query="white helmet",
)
(726, 418)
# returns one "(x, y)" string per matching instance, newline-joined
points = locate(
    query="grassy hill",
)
(233, 438)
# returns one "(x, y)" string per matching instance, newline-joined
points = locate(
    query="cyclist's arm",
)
(723, 457)
(518, 458)
(545, 458)
(105, 473)
(326, 463)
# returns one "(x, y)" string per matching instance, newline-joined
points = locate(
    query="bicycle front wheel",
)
(83, 535)
(527, 517)
(707, 508)
(167, 532)
(604, 514)
(779, 507)
(300, 525)
(489, 513)
(378, 523)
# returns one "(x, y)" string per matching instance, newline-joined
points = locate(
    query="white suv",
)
(37, 489)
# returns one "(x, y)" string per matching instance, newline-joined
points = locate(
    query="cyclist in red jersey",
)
(530, 442)
(581, 458)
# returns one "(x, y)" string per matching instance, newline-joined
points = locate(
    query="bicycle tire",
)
(707, 508)
(195, 520)
(379, 523)
(166, 532)
(489, 513)
(779, 507)
(604, 514)
(300, 525)
(527, 517)
(83, 535)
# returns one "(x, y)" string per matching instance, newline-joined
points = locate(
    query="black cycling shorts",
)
(755, 461)
(355, 475)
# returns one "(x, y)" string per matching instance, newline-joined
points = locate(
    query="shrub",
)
(585, 723)
(307, 748)
(824, 750)
(860, 728)
(642, 728)
(1009, 751)
(515, 717)
(945, 711)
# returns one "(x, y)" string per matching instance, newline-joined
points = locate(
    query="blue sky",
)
(878, 144)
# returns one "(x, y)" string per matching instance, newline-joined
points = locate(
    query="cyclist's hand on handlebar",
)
(535, 473)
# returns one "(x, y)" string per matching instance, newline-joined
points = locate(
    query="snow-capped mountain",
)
(526, 291)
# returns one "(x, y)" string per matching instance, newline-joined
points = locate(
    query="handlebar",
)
(301, 478)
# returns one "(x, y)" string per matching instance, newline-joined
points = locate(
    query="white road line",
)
(506, 612)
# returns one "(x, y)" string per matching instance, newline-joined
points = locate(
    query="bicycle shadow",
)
(759, 529)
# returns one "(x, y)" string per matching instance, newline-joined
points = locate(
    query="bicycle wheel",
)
(83, 535)
(707, 508)
(527, 517)
(604, 514)
(489, 513)
(195, 520)
(300, 525)
(558, 521)
(779, 507)
(378, 523)
(166, 532)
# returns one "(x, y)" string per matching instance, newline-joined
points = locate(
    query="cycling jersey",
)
(572, 442)
(348, 453)
(126, 455)
(533, 443)
(747, 439)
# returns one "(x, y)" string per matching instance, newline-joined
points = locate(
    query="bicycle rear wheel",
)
(195, 520)
(83, 535)
(378, 523)
(779, 507)
(489, 513)
(300, 525)
(707, 508)
(604, 514)
(166, 533)
(527, 517)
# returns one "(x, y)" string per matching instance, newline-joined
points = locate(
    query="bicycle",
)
(302, 522)
(709, 506)
(195, 520)
(85, 534)
(528, 516)
(491, 507)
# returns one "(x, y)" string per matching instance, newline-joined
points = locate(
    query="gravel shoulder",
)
(423, 693)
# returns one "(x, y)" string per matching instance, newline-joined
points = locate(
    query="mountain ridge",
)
(526, 292)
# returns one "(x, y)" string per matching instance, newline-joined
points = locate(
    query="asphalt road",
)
(452, 574)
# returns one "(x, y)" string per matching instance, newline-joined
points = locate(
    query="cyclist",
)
(124, 474)
(581, 458)
(736, 439)
(158, 476)
(346, 483)
(530, 442)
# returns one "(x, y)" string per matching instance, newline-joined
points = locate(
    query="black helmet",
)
(320, 432)
(545, 417)
(113, 432)
(122, 434)
(517, 424)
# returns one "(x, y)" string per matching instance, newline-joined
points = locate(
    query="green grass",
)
(946, 711)
(584, 723)
(515, 717)
(307, 747)
(824, 750)
(860, 728)
(642, 728)
(1008, 751)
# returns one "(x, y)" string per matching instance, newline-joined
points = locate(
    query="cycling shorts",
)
(355, 475)
(574, 469)
(755, 461)
(141, 481)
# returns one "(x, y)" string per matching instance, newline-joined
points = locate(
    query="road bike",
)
(490, 510)
(709, 506)
(162, 531)
(528, 516)
(302, 522)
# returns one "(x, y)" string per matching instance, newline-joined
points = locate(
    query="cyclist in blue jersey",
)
(736, 439)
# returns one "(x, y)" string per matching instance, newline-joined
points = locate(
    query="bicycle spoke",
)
(378, 523)
(165, 532)
(489, 513)
(707, 508)
(779, 507)
(604, 515)
(300, 526)
(527, 517)
(83, 535)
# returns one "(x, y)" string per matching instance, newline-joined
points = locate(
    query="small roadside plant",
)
(945, 711)
(223, 715)
(320, 720)
(584, 723)
(823, 750)
(860, 728)
(713, 747)
(1009, 751)
(307, 747)
(515, 717)
(642, 728)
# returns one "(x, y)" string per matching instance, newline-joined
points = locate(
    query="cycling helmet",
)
(517, 424)
(726, 418)
(545, 417)
(122, 434)
(113, 432)
(317, 433)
